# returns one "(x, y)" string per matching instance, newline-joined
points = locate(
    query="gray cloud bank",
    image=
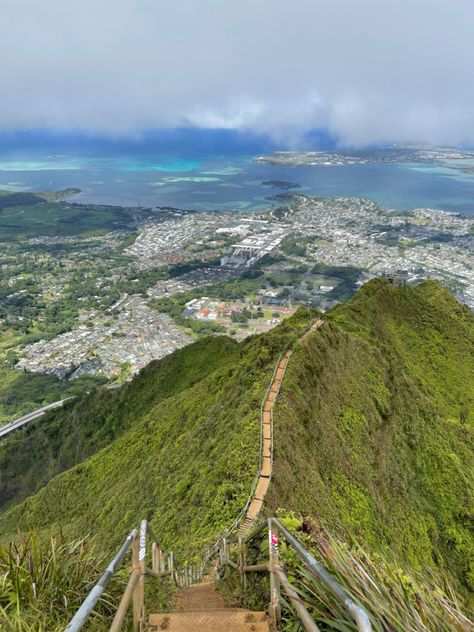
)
(368, 71)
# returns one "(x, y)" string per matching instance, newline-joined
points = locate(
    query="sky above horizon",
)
(364, 72)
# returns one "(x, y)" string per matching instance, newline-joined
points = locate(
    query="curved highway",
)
(21, 421)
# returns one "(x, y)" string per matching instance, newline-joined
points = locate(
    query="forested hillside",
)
(373, 437)
(185, 461)
(374, 427)
(52, 444)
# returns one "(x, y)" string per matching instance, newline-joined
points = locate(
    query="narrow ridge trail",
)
(200, 608)
(266, 469)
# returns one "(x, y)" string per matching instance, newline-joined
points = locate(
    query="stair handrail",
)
(225, 535)
(279, 579)
(214, 548)
(79, 619)
(357, 612)
(162, 566)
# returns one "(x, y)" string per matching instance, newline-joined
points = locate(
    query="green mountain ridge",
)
(383, 450)
(373, 434)
(46, 447)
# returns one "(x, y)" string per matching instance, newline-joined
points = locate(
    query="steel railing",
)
(279, 580)
(79, 619)
(162, 565)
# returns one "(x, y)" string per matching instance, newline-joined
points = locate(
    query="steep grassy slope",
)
(186, 463)
(373, 438)
(374, 427)
(31, 457)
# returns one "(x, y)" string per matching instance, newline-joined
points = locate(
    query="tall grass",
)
(394, 600)
(44, 580)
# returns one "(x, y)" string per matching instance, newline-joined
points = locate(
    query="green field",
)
(60, 219)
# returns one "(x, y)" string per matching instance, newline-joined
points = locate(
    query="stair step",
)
(262, 487)
(267, 431)
(254, 508)
(225, 620)
(201, 596)
(266, 447)
(266, 466)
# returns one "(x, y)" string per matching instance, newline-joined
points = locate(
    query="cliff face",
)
(373, 435)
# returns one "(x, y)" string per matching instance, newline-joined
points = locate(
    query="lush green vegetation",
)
(392, 598)
(30, 457)
(28, 391)
(185, 462)
(373, 439)
(296, 244)
(25, 215)
(45, 579)
(374, 427)
(348, 277)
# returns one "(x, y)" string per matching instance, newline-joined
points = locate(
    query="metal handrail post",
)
(136, 593)
(274, 564)
(357, 612)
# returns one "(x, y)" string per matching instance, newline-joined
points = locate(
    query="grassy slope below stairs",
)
(31, 457)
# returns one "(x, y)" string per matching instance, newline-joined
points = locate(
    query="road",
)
(21, 421)
(39, 412)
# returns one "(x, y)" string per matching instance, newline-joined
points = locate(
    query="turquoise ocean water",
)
(219, 180)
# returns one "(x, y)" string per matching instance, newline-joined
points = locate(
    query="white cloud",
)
(368, 70)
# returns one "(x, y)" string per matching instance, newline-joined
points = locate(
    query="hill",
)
(374, 427)
(373, 438)
(185, 462)
(46, 447)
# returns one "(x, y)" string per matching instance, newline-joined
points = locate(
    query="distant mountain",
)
(373, 436)
(9, 198)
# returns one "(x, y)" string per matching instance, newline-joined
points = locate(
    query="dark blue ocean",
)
(211, 171)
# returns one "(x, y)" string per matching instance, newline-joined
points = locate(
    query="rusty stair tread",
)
(215, 621)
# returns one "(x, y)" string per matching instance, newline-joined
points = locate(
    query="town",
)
(188, 274)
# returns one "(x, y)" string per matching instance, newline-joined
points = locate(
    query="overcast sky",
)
(366, 70)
